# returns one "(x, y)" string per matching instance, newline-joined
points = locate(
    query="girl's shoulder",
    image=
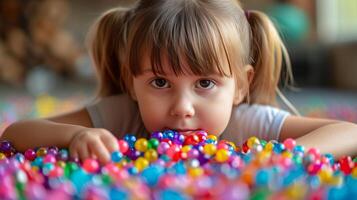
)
(262, 121)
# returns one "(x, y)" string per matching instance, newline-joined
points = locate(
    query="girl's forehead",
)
(166, 66)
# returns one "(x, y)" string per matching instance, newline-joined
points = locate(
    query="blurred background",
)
(45, 68)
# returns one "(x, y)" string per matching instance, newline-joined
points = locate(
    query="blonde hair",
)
(203, 34)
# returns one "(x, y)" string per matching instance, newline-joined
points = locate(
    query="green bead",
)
(154, 143)
(70, 168)
(260, 194)
(263, 143)
(106, 179)
(355, 160)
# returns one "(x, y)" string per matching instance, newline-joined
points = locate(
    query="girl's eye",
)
(205, 84)
(159, 83)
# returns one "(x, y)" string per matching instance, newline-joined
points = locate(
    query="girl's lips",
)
(185, 130)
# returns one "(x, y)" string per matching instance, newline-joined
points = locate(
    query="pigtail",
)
(267, 55)
(106, 42)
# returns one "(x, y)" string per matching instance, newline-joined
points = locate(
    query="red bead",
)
(91, 165)
(346, 164)
(167, 140)
(245, 147)
(192, 140)
(123, 146)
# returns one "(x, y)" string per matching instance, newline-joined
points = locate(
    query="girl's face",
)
(184, 103)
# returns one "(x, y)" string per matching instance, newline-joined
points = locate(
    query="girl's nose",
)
(182, 107)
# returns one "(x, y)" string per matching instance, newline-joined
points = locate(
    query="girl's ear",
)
(240, 94)
(250, 73)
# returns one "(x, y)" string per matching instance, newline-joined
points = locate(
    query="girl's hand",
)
(94, 143)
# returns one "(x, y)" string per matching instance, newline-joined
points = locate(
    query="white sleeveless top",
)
(120, 115)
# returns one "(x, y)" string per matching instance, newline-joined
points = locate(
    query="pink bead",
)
(56, 172)
(315, 152)
(173, 150)
(30, 154)
(91, 165)
(49, 158)
(163, 147)
(222, 145)
(289, 144)
(123, 146)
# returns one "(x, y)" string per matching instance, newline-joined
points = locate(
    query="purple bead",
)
(52, 151)
(178, 138)
(203, 159)
(5, 146)
(158, 135)
(62, 155)
(193, 153)
(133, 154)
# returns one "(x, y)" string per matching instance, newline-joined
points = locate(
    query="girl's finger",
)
(110, 142)
(98, 149)
(83, 152)
(74, 154)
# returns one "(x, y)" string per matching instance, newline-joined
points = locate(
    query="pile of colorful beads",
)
(172, 166)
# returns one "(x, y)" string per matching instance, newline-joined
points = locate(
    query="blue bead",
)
(151, 174)
(299, 149)
(118, 194)
(130, 139)
(169, 134)
(116, 156)
(262, 177)
(37, 162)
(279, 147)
(63, 155)
(20, 157)
(170, 194)
(133, 171)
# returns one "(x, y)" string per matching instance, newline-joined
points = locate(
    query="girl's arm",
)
(329, 136)
(55, 131)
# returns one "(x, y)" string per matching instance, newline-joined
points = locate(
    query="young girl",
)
(186, 65)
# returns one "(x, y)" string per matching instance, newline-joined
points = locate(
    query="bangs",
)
(187, 38)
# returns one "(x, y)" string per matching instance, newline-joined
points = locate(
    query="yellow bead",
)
(354, 172)
(122, 163)
(209, 149)
(141, 163)
(233, 145)
(61, 163)
(287, 154)
(41, 152)
(325, 175)
(222, 155)
(186, 148)
(269, 146)
(141, 145)
(2, 156)
(264, 156)
(151, 155)
(212, 137)
(252, 141)
(336, 181)
(195, 171)
(296, 191)
(35, 168)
